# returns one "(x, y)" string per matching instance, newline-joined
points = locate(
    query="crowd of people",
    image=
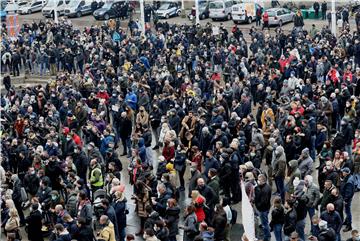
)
(146, 108)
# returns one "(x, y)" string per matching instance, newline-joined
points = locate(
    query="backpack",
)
(24, 196)
(234, 216)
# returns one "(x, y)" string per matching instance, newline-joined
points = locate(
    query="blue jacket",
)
(121, 211)
(348, 188)
(131, 100)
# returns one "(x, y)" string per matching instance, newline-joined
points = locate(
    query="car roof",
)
(274, 9)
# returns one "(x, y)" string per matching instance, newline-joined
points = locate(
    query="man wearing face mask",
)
(326, 234)
(355, 236)
(262, 203)
(81, 162)
(96, 177)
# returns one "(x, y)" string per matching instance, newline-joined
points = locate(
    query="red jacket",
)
(168, 152)
(199, 211)
(266, 17)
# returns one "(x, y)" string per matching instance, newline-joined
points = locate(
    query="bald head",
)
(330, 207)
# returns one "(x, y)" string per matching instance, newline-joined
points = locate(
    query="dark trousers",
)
(279, 182)
(20, 211)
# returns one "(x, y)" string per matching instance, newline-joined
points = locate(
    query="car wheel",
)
(29, 12)
(280, 23)
(213, 19)
(106, 16)
(78, 14)
(167, 16)
(229, 16)
(52, 15)
(249, 20)
(178, 13)
(202, 16)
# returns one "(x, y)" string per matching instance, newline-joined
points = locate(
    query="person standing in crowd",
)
(277, 218)
(347, 192)
(262, 204)
(323, 10)
(107, 233)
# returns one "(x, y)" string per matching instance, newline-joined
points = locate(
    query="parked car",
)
(78, 8)
(279, 16)
(220, 9)
(203, 10)
(111, 10)
(244, 12)
(54, 5)
(168, 9)
(32, 7)
(13, 7)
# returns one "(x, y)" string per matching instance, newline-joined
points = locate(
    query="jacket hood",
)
(293, 164)
(207, 235)
(154, 215)
(279, 150)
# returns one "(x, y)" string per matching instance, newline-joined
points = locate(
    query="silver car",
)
(279, 16)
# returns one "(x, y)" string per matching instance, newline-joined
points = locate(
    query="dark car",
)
(112, 10)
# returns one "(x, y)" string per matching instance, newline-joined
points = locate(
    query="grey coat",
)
(313, 195)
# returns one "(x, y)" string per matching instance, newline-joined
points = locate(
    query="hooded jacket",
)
(306, 164)
(279, 163)
(294, 172)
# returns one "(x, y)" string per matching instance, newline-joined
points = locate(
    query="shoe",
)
(276, 194)
(156, 147)
(347, 229)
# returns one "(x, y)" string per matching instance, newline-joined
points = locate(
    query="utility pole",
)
(142, 17)
(56, 12)
(182, 5)
(333, 17)
(197, 18)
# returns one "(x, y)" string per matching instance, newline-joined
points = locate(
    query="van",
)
(54, 5)
(244, 12)
(220, 9)
(117, 9)
(78, 8)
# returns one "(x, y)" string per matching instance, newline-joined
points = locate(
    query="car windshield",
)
(202, 4)
(271, 14)
(216, 5)
(52, 3)
(73, 3)
(164, 6)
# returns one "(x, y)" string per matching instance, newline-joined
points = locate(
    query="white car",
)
(279, 16)
(167, 10)
(32, 7)
(12, 7)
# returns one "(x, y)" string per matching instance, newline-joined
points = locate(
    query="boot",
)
(347, 228)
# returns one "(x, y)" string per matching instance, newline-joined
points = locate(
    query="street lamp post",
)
(142, 17)
(197, 18)
(333, 17)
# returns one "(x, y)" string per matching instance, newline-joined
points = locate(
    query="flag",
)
(116, 37)
(247, 215)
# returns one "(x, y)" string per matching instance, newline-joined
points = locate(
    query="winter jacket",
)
(279, 163)
(327, 235)
(333, 219)
(263, 197)
(189, 226)
(313, 196)
(172, 220)
(31, 183)
(348, 188)
(120, 211)
(277, 216)
(290, 222)
(34, 221)
(71, 204)
(108, 233)
(306, 166)
(295, 172)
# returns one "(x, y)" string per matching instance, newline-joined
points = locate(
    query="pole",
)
(333, 17)
(182, 5)
(197, 11)
(55, 12)
(142, 17)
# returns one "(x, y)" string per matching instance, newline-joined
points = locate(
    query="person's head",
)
(203, 226)
(82, 196)
(190, 209)
(9, 203)
(294, 236)
(194, 194)
(277, 202)
(308, 180)
(355, 235)
(330, 208)
(201, 182)
(323, 225)
(59, 228)
(261, 179)
(328, 184)
(148, 233)
(345, 172)
(58, 209)
(67, 218)
(13, 213)
(212, 172)
(130, 237)
(161, 188)
(104, 220)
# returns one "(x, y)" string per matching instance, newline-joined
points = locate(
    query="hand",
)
(153, 202)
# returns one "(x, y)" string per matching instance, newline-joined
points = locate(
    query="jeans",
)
(348, 219)
(348, 149)
(312, 149)
(278, 232)
(122, 234)
(42, 68)
(311, 212)
(279, 182)
(264, 218)
(300, 228)
(126, 145)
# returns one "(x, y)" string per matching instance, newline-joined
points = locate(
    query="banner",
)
(12, 25)
(247, 215)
